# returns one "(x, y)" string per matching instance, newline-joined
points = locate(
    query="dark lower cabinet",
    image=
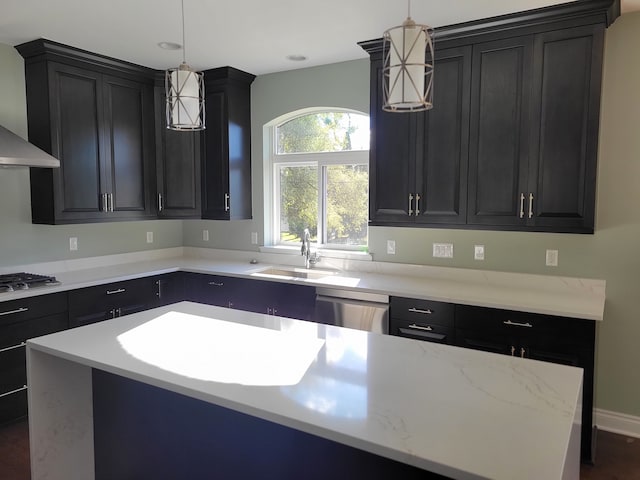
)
(19, 321)
(103, 302)
(566, 341)
(422, 319)
(169, 288)
(260, 296)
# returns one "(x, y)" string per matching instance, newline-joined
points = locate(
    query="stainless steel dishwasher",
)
(359, 310)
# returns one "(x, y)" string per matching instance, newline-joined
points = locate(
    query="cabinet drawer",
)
(91, 299)
(13, 406)
(32, 307)
(425, 312)
(509, 322)
(13, 368)
(15, 333)
(421, 331)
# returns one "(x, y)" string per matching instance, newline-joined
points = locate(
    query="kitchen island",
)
(289, 397)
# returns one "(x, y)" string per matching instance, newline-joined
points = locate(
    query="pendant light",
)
(184, 90)
(407, 53)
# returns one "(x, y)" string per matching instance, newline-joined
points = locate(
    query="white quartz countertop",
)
(461, 413)
(552, 295)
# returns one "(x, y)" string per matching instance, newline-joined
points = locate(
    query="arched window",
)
(320, 179)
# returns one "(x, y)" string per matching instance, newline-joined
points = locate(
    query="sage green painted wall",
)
(21, 242)
(612, 253)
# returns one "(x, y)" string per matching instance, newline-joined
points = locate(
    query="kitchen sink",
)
(297, 272)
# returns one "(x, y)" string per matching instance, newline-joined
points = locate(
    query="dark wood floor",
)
(618, 456)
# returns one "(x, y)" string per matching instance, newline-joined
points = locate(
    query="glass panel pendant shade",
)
(185, 98)
(407, 53)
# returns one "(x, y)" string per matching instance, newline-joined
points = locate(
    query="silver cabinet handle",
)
(417, 310)
(513, 351)
(522, 352)
(226, 202)
(530, 205)
(160, 206)
(105, 207)
(216, 284)
(18, 310)
(24, 387)
(517, 324)
(159, 292)
(13, 347)
(410, 204)
(522, 205)
(420, 327)
(417, 204)
(113, 292)
(111, 202)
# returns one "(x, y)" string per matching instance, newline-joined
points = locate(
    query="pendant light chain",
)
(184, 42)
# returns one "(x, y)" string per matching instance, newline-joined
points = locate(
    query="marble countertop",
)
(552, 295)
(461, 413)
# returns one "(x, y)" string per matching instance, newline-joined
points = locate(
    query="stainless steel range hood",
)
(17, 152)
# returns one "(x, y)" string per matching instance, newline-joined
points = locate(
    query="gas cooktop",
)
(10, 282)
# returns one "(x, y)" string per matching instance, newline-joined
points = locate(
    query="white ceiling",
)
(252, 35)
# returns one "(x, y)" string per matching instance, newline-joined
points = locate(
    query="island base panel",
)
(142, 431)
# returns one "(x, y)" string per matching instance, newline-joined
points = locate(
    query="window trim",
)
(273, 161)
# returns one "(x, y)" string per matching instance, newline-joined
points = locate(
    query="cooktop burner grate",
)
(10, 282)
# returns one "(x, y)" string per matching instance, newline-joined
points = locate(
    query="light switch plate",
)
(254, 238)
(73, 243)
(552, 258)
(391, 247)
(205, 235)
(149, 237)
(443, 250)
(478, 252)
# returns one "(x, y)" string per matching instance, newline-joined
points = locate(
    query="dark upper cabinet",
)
(511, 142)
(498, 157)
(178, 161)
(226, 166)
(418, 161)
(564, 135)
(96, 115)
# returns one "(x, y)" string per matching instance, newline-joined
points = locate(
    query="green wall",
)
(23, 243)
(610, 254)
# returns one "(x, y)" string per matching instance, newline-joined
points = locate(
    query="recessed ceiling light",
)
(296, 58)
(170, 46)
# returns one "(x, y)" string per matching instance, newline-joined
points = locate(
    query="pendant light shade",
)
(407, 53)
(184, 92)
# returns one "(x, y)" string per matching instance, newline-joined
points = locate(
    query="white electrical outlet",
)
(149, 237)
(552, 258)
(443, 250)
(478, 252)
(73, 243)
(254, 238)
(205, 235)
(391, 247)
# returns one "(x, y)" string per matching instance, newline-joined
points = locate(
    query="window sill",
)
(324, 252)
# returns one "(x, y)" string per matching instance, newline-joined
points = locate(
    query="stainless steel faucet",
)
(310, 259)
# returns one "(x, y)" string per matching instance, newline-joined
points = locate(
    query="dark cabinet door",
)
(500, 109)
(564, 133)
(129, 147)
(74, 127)
(226, 167)
(178, 167)
(391, 158)
(442, 156)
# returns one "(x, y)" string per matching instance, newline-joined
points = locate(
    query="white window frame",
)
(275, 161)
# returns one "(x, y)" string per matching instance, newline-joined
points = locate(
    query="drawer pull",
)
(216, 284)
(517, 324)
(13, 347)
(24, 387)
(420, 327)
(417, 310)
(113, 292)
(19, 310)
